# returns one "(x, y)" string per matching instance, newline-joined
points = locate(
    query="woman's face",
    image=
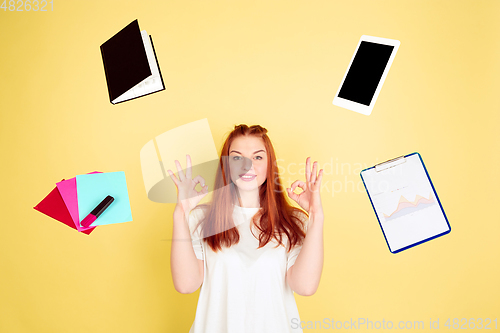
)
(248, 162)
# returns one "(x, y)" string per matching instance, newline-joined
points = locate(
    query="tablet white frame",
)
(357, 107)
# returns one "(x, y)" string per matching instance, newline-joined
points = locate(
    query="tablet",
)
(366, 74)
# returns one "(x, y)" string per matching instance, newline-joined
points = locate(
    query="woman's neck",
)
(249, 199)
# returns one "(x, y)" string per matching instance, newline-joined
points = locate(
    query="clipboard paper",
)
(405, 202)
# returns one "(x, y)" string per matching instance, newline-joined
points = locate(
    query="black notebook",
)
(130, 65)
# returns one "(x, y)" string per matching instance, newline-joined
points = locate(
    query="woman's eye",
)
(235, 158)
(259, 157)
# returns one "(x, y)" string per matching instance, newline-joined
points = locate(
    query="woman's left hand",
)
(310, 198)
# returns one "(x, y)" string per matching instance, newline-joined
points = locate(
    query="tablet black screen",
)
(365, 73)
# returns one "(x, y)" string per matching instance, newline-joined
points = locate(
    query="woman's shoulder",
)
(200, 210)
(196, 215)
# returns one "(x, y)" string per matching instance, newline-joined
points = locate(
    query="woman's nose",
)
(247, 163)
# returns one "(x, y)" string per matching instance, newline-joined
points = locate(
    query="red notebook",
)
(53, 205)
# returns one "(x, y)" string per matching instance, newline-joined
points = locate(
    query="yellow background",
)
(273, 63)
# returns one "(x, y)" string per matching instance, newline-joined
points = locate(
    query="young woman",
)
(249, 249)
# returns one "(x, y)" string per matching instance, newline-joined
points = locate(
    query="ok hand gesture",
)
(187, 196)
(310, 198)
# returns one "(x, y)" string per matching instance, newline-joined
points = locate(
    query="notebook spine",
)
(106, 74)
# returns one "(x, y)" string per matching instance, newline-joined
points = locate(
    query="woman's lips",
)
(247, 178)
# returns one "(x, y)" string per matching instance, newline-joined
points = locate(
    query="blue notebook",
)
(405, 202)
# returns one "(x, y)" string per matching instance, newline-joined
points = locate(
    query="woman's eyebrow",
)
(255, 152)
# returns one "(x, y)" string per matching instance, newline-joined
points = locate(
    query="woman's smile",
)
(247, 177)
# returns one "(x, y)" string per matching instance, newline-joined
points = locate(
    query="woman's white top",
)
(244, 289)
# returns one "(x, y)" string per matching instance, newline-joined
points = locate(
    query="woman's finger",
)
(176, 182)
(320, 177)
(199, 180)
(314, 172)
(298, 183)
(292, 195)
(188, 166)
(204, 190)
(179, 170)
(308, 169)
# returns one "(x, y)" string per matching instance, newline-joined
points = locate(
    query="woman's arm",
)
(304, 276)
(187, 270)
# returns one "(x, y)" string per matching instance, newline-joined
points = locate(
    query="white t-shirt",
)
(244, 289)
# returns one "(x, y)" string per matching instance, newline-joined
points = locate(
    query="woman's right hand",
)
(187, 196)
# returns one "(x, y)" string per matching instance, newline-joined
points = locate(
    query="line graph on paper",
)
(406, 206)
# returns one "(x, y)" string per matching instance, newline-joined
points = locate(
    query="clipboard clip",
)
(390, 163)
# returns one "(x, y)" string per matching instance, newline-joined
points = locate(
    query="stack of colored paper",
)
(73, 199)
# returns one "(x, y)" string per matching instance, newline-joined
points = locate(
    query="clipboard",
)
(405, 202)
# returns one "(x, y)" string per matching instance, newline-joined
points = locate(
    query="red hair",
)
(277, 216)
